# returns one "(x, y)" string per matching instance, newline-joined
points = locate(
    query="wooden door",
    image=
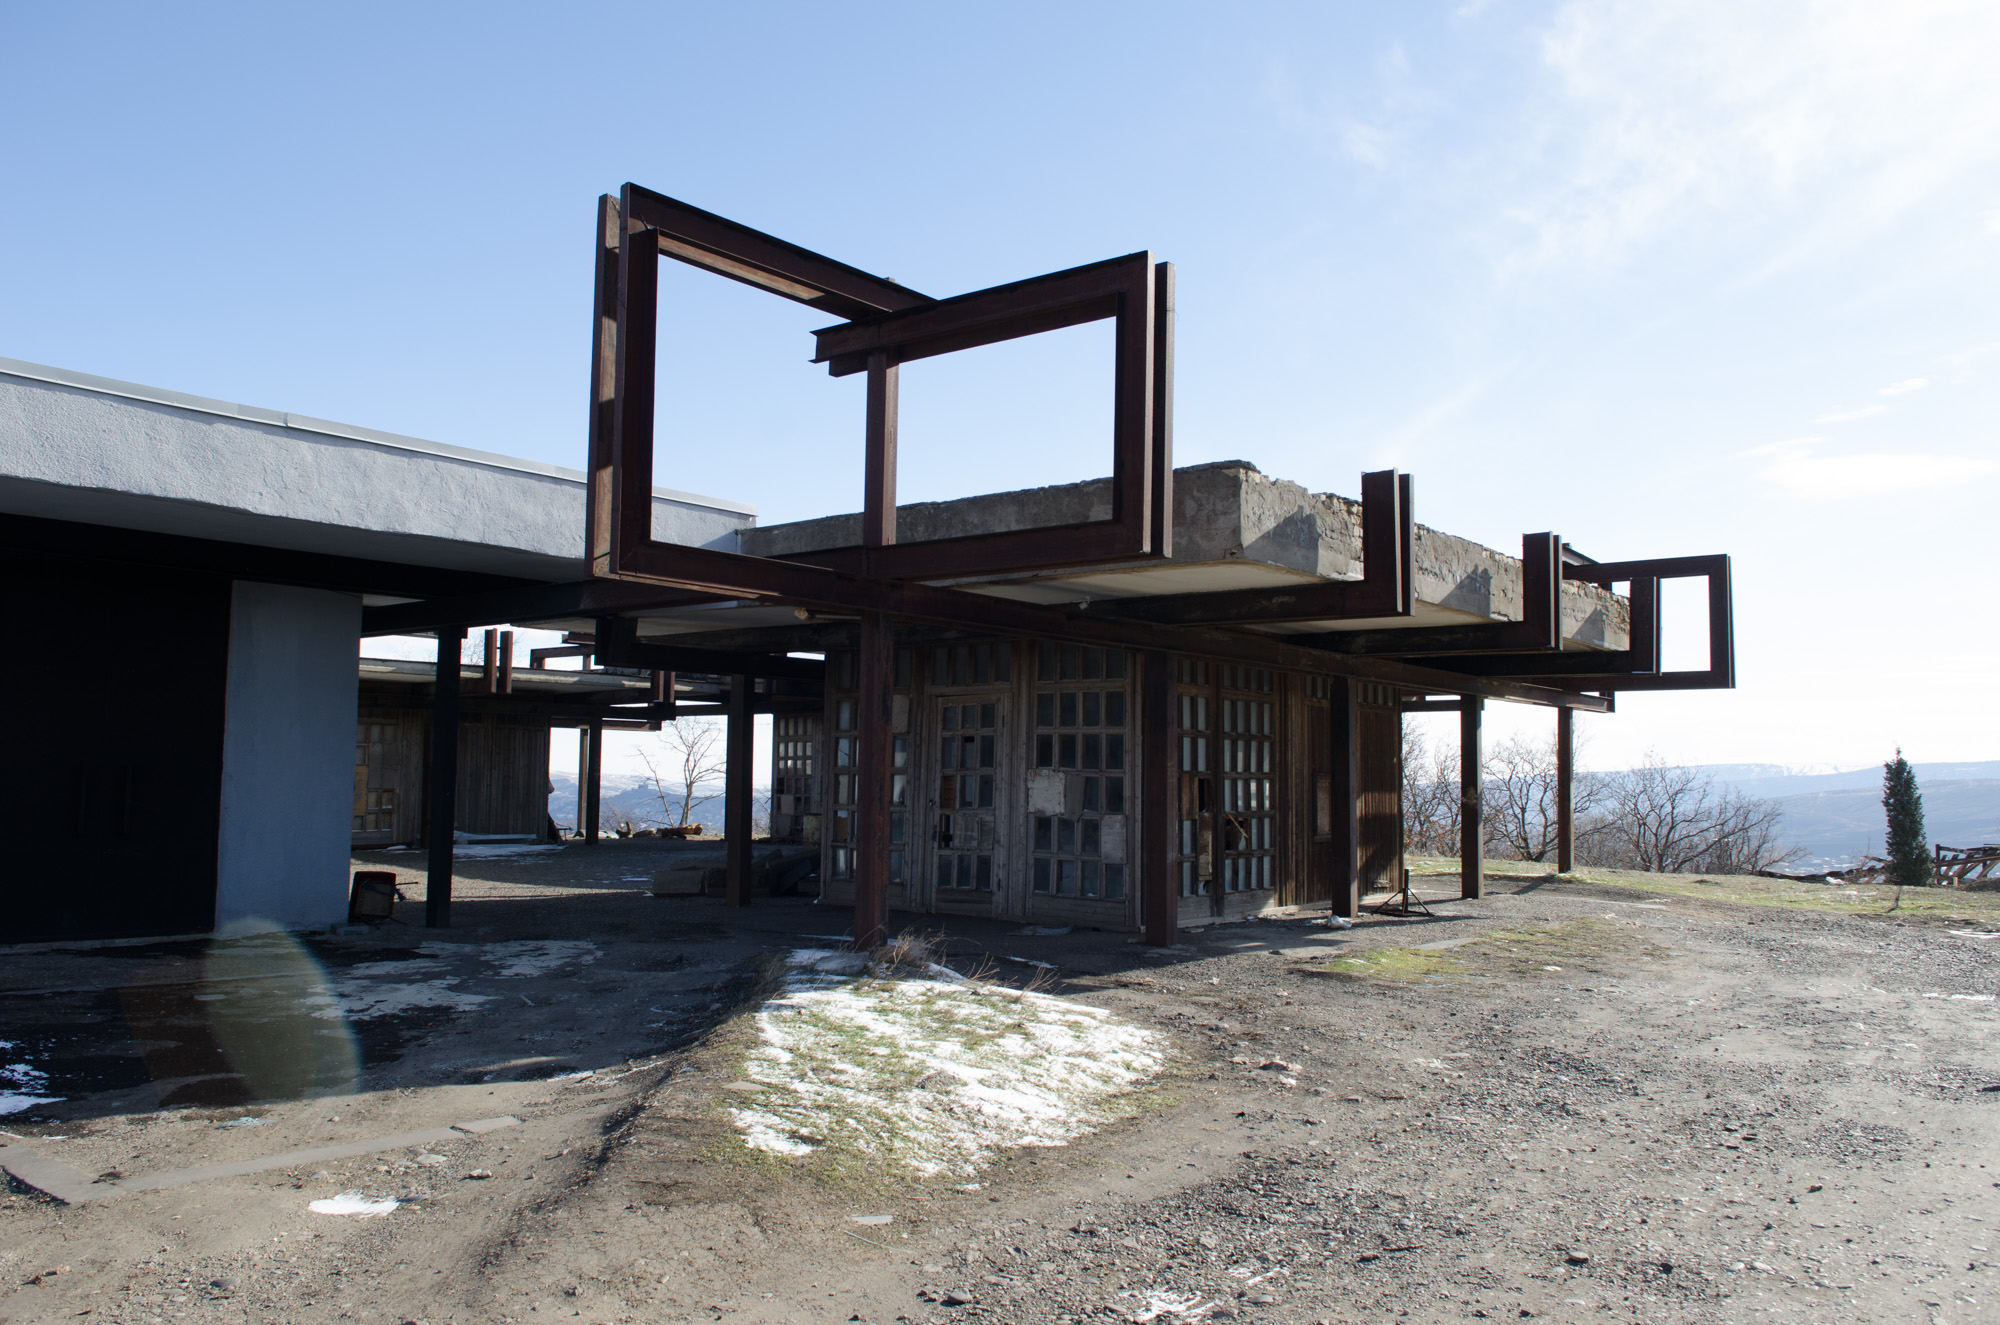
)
(968, 801)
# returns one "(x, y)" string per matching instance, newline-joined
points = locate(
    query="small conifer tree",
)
(1909, 857)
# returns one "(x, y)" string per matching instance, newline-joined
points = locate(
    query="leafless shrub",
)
(1672, 819)
(1519, 806)
(1431, 805)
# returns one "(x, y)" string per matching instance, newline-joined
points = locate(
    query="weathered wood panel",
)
(1381, 787)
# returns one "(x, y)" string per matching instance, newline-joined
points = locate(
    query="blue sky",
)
(1666, 279)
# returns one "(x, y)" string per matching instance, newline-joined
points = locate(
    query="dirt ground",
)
(1581, 1099)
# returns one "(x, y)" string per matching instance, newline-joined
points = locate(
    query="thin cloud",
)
(1666, 119)
(1798, 470)
(1898, 388)
(1849, 416)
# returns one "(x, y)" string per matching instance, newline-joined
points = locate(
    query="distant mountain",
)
(1772, 781)
(633, 798)
(1835, 827)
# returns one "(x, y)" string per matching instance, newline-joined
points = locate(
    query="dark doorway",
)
(110, 790)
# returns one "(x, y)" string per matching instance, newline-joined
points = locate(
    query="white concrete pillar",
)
(288, 756)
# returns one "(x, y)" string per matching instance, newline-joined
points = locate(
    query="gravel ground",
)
(1564, 1101)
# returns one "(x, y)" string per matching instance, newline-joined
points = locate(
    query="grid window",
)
(1080, 705)
(1246, 824)
(968, 758)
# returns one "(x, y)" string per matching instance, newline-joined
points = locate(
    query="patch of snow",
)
(359, 1001)
(1964, 998)
(524, 957)
(353, 1203)
(1154, 1304)
(22, 1085)
(934, 1075)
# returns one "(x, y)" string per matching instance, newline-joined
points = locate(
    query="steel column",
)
(590, 796)
(1346, 797)
(878, 499)
(442, 780)
(1471, 823)
(1565, 791)
(873, 774)
(740, 743)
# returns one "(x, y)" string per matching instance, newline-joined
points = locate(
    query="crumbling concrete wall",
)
(1230, 511)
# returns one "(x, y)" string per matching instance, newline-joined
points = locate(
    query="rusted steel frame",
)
(1539, 630)
(729, 248)
(1386, 586)
(1713, 567)
(1471, 797)
(618, 645)
(506, 662)
(739, 742)
(1159, 792)
(1160, 495)
(540, 602)
(1127, 289)
(1638, 667)
(1565, 791)
(490, 660)
(984, 317)
(599, 503)
(812, 586)
(874, 776)
(441, 782)
(622, 445)
(878, 509)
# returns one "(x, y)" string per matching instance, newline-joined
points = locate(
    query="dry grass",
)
(1968, 907)
(1579, 947)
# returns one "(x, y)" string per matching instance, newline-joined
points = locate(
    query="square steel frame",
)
(888, 325)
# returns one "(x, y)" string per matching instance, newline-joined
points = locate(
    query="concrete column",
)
(1159, 786)
(1346, 798)
(740, 746)
(442, 779)
(874, 776)
(1565, 790)
(1471, 818)
(590, 794)
(285, 826)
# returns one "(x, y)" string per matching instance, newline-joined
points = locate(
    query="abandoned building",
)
(1136, 703)
(228, 553)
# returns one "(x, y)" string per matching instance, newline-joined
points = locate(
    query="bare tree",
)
(1430, 795)
(1671, 819)
(1519, 791)
(692, 749)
